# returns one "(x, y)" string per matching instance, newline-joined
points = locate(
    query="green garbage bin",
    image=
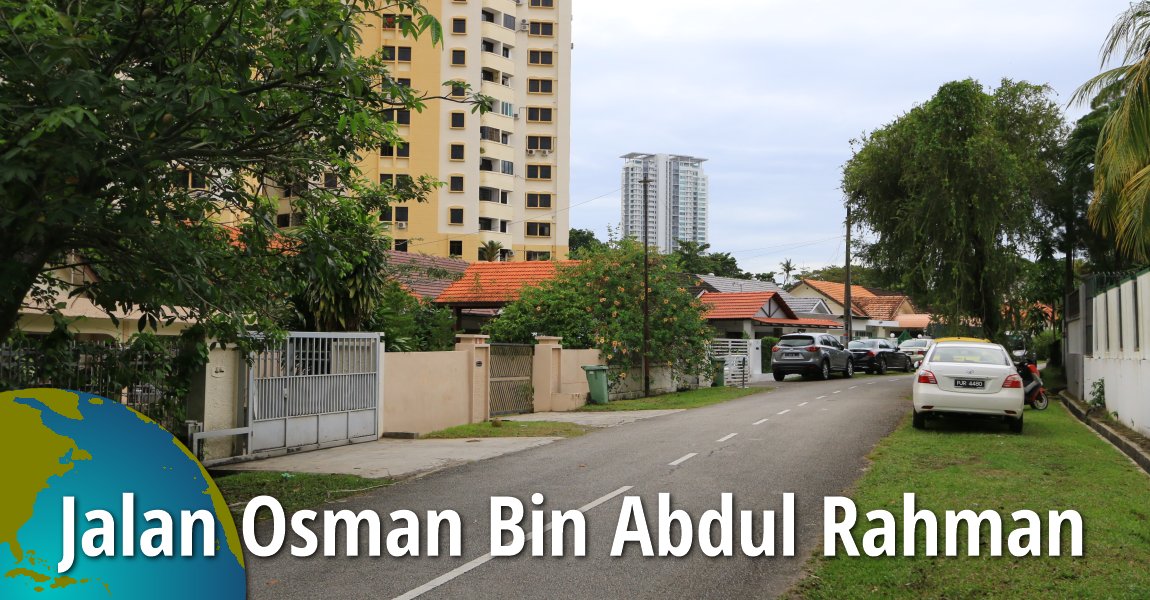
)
(597, 381)
(718, 372)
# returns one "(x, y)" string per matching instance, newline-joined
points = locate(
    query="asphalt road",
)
(809, 438)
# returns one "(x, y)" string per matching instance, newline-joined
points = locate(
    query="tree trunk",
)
(18, 272)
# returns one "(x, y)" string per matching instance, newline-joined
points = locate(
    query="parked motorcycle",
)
(1032, 385)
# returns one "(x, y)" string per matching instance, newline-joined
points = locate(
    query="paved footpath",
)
(807, 437)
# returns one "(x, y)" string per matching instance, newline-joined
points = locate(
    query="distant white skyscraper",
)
(676, 199)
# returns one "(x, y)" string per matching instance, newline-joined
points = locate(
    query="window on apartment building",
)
(541, 86)
(298, 188)
(538, 114)
(456, 151)
(537, 255)
(541, 57)
(330, 180)
(401, 116)
(385, 214)
(455, 247)
(403, 150)
(458, 90)
(542, 4)
(404, 182)
(455, 183)
(455, 216)
(403, 53)
(542, 29)
(401, 214)
(506, 167)
(508, 21)
(458, 120)
(539, 142)
(401, 245)
(539, 172)
(459, 25)
(459, 57)
(538, 200)
(190, 180)
(283, 220)
(539, 229)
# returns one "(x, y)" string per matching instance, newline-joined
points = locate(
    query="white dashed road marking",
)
(804, 403)
(760, 422)
(725, 438)
(783, 412)
(683, 459)
(820, 397)
(837, 392)
(852, 387)
(446, 577)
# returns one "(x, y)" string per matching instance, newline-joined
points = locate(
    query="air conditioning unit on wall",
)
(530, 152)
(401, 225)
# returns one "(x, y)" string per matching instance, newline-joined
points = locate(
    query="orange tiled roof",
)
(493, 284)
(422, 275)
(738, 305)
(884, 308)
(837, 291)
(914, 321)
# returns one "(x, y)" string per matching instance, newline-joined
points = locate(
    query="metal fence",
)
(123, 372)
(510, 376)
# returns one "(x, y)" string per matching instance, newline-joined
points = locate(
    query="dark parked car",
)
(876, 356)
(815, 354)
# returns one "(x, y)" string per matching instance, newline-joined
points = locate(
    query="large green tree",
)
(1120, 208)
(950, 191)
(696, 258)
(130, 128)
(598, 303)
(581, 241)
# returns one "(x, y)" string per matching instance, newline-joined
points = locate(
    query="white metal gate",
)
(314, 390)
(736, 355)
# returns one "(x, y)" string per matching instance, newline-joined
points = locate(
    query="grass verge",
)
(689, 399)
(488, 429)
(295, 491)
(1056, 464)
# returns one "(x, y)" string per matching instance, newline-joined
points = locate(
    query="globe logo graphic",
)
(121, 474)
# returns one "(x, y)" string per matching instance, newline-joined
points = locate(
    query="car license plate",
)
(792, 355)
(974, 384)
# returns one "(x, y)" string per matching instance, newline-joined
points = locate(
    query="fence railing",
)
(137, 375)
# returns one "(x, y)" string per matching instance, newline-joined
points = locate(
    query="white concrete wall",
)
(1122, 351)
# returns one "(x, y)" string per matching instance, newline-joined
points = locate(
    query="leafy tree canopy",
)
(582, 241)
(112, 113)
(598, 303)
(694, 258)
(950, 191)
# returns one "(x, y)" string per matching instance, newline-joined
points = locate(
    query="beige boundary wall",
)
(421, 392)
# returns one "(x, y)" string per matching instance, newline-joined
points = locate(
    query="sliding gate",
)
(314, 390)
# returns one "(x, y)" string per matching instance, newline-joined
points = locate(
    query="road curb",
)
(1139, 456)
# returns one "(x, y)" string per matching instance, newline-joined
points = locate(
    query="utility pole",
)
(646, 290)
(847, 316)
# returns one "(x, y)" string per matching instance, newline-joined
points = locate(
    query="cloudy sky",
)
(772, 91)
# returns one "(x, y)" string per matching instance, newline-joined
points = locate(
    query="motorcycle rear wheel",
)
(1041, 401)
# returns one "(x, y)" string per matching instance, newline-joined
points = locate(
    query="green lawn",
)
(1056, 464)
(294, 491)
(688, 399)
(488, 429)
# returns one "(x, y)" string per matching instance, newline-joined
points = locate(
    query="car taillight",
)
(870, 352)
(775, 349)
(927, 377)
(812, 348)
(1012, 381)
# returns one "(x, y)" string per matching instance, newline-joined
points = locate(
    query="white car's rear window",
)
(970, 354)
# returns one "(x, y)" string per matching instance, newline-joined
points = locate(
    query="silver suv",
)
(816, 354)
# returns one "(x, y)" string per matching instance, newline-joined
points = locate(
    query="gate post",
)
(480, 359)
(545, 371)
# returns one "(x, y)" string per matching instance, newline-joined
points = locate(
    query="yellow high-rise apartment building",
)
(507, 171)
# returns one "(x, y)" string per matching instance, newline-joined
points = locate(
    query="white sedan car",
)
(971, 378)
